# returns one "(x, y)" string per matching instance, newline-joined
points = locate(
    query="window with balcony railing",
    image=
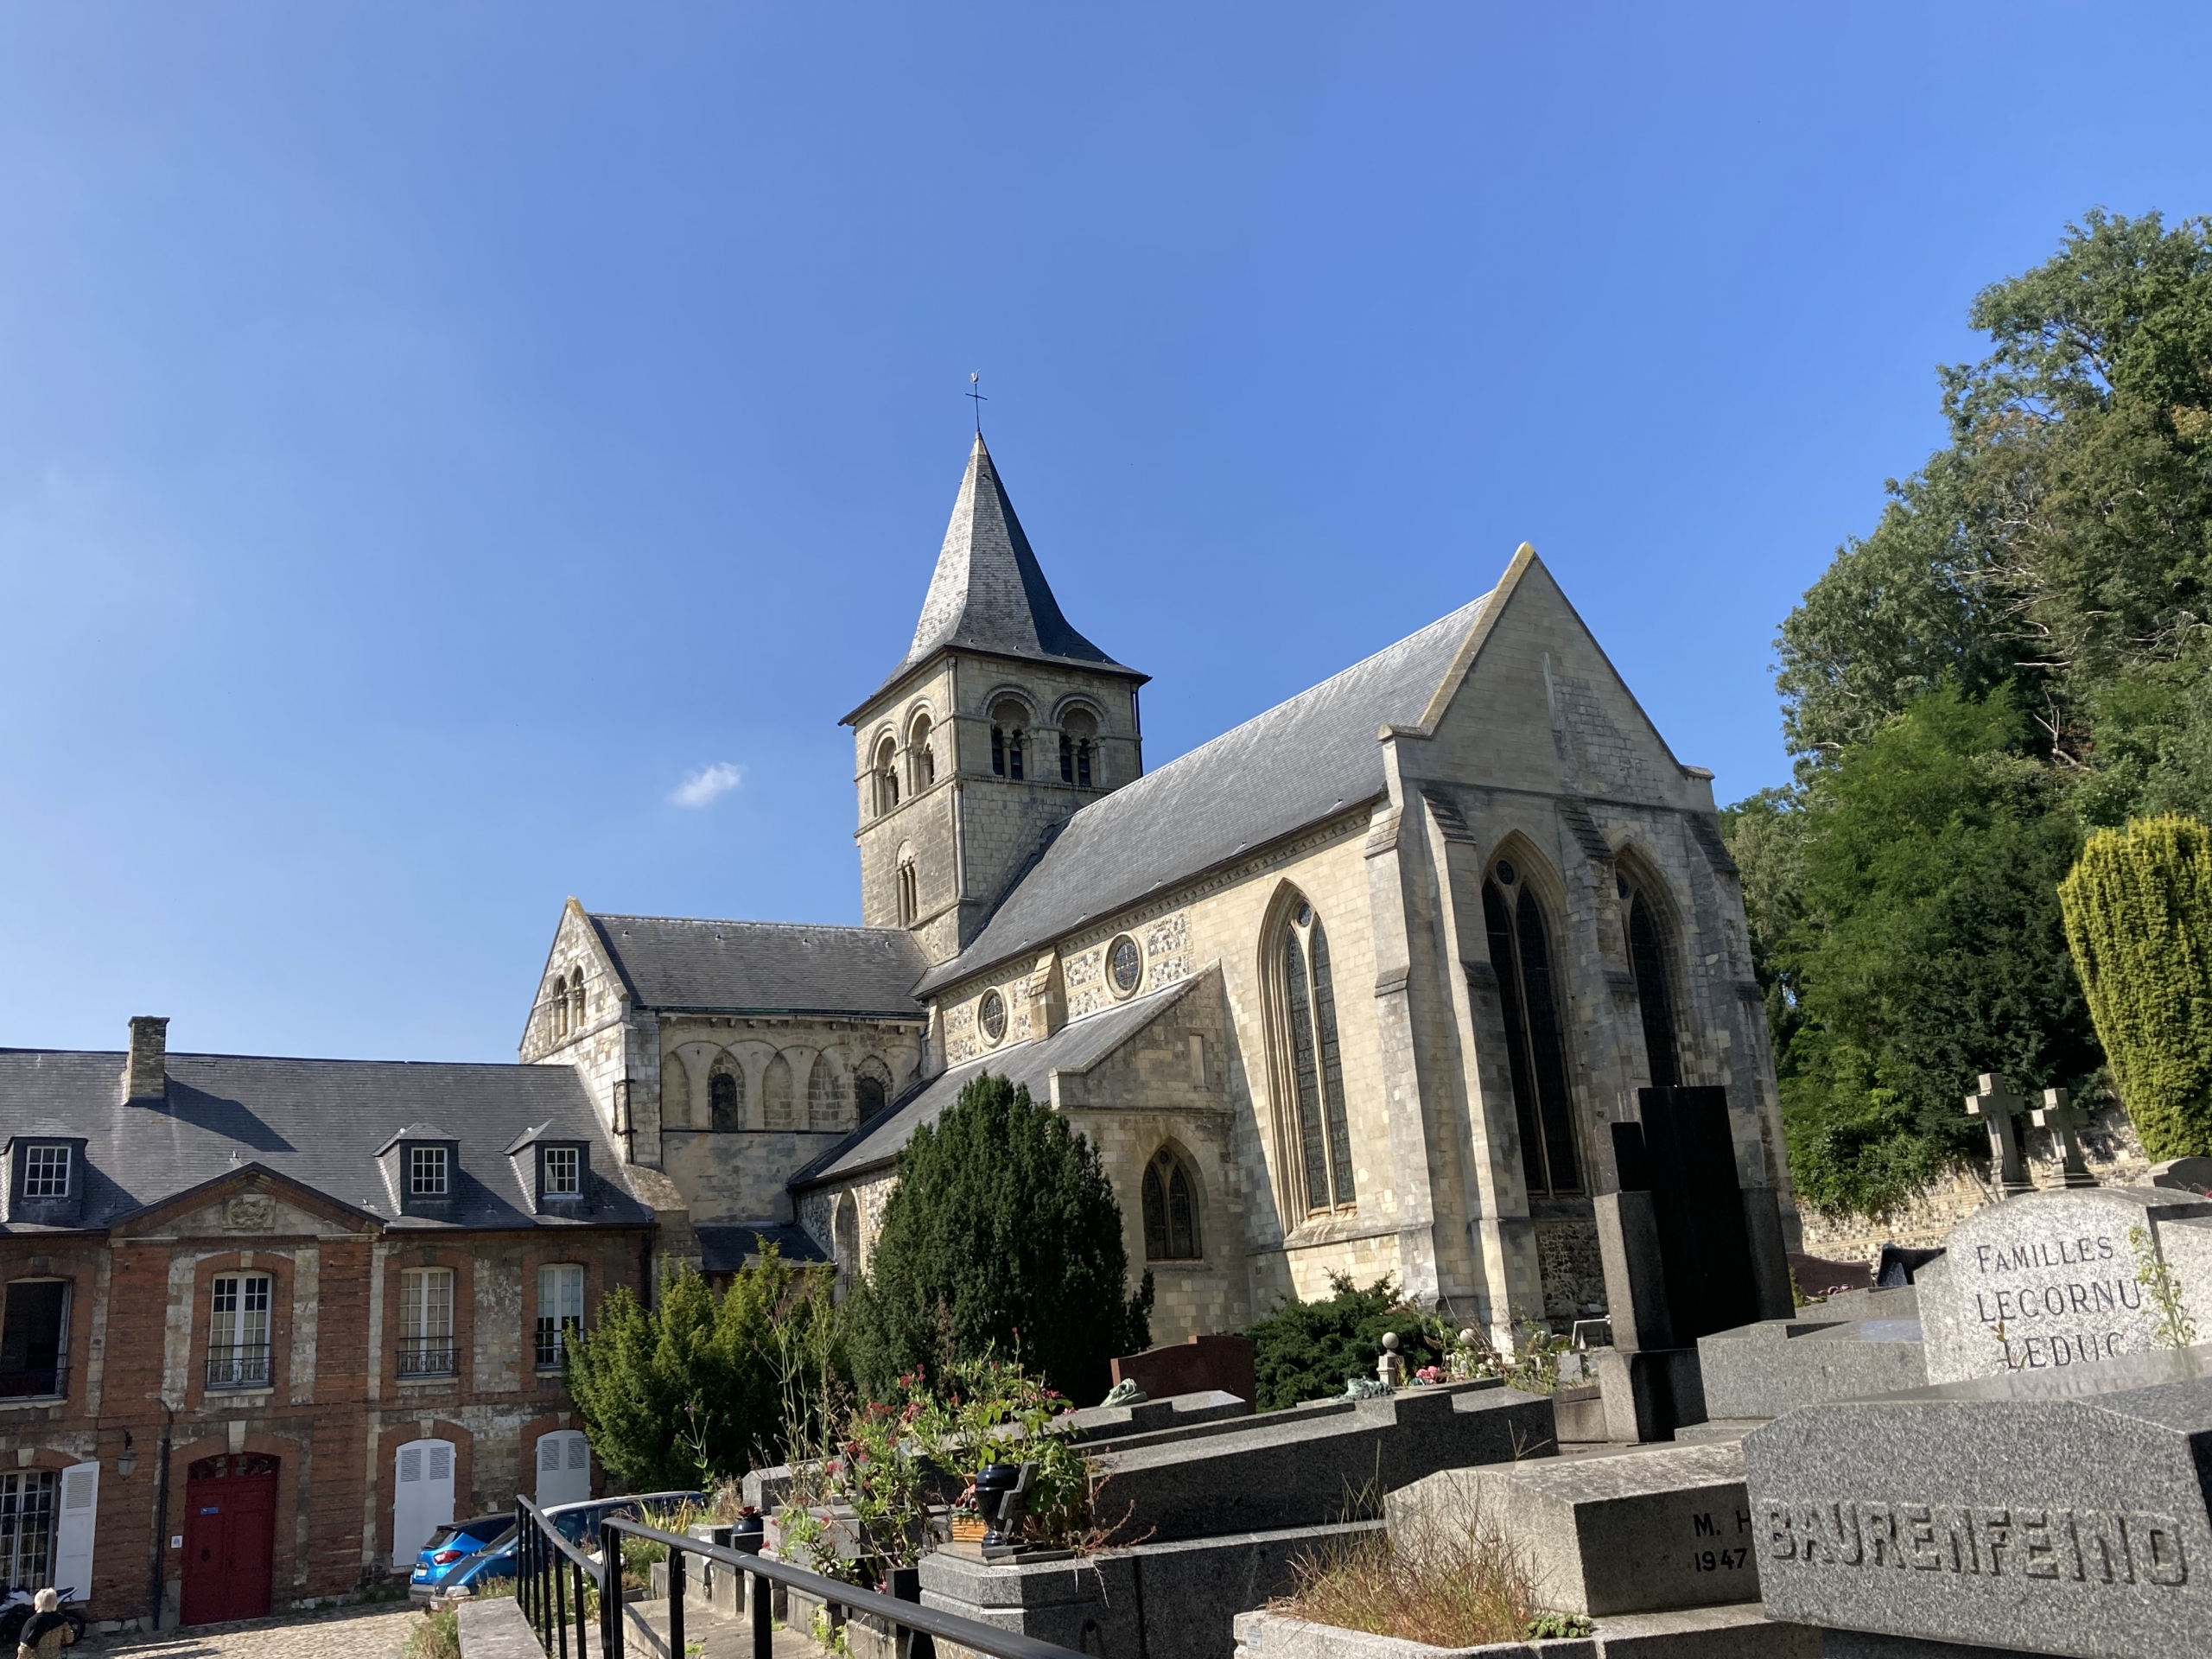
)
(237, 1331)
(426, 1345)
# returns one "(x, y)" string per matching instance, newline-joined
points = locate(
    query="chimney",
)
(145, 1073)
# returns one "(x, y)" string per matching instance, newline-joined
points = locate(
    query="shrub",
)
(438, 1636)
(1002, 1237)
(2139, 919)
(1308, 1351)
(699, 1387)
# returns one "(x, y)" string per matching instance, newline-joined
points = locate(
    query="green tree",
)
(696, 1388)
(2139, 916)
(1308, 1351)
(1916, 942)
(1002, 1237)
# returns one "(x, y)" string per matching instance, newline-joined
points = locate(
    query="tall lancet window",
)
(1647, 962)
(1315, 1063)
(1520, 950)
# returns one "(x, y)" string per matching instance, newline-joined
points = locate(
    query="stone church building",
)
(1354, 987)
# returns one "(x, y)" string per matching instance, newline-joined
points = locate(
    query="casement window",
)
(426, 1346)
(46, 1172)
(237, 1331)
(1535, 1044)
(34, 1339)
(428, 1174)
(27, 1525)
(560, 1310)
(561, 1171)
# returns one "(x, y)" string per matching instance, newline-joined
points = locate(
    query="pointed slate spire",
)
(988, 593)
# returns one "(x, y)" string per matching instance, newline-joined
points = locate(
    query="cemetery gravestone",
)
(2052, 1279)
(2059, 1114)
(2053, 1511)
(1631, 1532)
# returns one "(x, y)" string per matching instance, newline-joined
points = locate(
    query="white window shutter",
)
(72, 1532)
(579, 1452)
(549, 1452)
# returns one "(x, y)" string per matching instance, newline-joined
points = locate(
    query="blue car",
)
(577, 1523)
(450, 1547)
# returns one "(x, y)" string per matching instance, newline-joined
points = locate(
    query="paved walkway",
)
(373, 1632)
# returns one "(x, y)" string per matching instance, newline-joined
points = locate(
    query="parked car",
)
(577, 1523)
(452, 1545)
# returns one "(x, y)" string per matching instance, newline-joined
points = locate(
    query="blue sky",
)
(433, 436)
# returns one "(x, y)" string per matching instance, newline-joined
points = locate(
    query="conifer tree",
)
(678, 1395)
(2138, 920)
(1002, 1237)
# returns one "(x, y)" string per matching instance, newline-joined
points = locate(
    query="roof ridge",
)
(732, 921)
(289, 1059)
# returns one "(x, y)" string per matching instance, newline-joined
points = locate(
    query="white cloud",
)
(706, 783)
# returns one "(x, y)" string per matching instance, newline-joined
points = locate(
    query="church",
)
(1356, 987)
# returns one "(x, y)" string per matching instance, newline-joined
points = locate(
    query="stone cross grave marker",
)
(2053, 1278)
(2000, 1110)
(2064, 1120)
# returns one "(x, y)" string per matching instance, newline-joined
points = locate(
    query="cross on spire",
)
(976, 394)
(2064, 1120)
(1999, 1109)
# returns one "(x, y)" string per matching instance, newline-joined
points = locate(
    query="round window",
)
(1505, 872)
(1125, 963)
(992, 1014)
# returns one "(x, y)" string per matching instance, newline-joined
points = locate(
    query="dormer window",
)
(46, 1172)
(562, 1171)
(427, 1173)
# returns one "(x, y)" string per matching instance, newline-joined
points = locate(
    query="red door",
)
(230, 1533)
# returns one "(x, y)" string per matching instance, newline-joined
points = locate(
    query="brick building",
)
(267, 1322)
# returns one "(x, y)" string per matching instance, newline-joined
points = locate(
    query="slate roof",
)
(988, 593)
(1076, 1046)
(319, 1123)
(1300, 763)
(763, 967)
(727, 1247)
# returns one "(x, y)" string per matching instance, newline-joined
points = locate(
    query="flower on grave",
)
(1429, 1373)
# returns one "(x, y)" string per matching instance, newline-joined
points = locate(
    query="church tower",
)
(1000, 722)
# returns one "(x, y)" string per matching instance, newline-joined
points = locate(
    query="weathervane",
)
(974, 381)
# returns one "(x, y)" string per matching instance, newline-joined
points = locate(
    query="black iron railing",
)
(36, 1381)
(242, 1365)
(552, 1573)
(426, 1357)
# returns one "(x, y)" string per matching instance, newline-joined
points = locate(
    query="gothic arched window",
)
(577, 999)
(558, 996)
(1647, 961)
(1313, 1063)
(725, 1094)
(910, 902)
(1075, 734)
(825, 1101)
(1520, 949)
(1171, 1210)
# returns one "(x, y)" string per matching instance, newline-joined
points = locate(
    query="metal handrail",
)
(548, 1613)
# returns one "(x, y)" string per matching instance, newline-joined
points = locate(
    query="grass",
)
(437, 1636)
(1454, 1584)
